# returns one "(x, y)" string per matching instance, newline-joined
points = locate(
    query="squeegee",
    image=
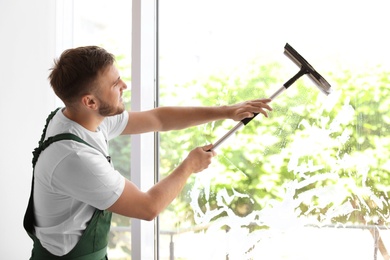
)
(305, 69)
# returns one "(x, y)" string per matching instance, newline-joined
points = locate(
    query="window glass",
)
(314, 176)
(108, 24)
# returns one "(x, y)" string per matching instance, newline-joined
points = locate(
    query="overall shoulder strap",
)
(37, 150)
(64, 136)
(48, 119)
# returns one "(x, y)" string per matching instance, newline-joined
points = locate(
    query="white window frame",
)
(143, 97)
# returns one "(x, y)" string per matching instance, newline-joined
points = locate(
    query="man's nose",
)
(123, 85)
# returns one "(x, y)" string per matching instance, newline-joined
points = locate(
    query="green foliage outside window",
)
(353, 155)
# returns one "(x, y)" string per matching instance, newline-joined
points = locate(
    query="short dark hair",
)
(74, 73)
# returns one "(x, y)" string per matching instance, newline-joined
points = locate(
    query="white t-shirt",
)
(72, 180)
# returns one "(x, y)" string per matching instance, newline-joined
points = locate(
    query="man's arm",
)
(174, 118)
(135, 203)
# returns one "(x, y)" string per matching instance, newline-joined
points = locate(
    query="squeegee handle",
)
(244, 122)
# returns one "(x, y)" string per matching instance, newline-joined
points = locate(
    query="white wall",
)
(27, 49)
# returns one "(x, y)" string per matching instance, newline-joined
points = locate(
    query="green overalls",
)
(94, 240)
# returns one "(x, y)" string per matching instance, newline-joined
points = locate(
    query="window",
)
(311, 181)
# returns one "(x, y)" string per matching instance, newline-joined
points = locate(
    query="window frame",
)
(144, 74)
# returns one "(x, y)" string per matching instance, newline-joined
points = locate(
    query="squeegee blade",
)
(305, 66)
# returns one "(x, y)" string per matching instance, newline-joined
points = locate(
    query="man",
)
(75, 188)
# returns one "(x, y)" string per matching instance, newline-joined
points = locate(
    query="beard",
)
(106, 109)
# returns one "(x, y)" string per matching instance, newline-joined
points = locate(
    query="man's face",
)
(109, 94)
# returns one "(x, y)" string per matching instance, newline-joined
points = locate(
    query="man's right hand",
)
(199, 159)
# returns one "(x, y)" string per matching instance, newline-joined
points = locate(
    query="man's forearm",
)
(175, 118)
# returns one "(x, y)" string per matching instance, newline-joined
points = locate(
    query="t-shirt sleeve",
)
(115, 124)
(87, 176)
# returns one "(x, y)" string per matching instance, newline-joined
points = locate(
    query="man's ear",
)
(89, 101)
